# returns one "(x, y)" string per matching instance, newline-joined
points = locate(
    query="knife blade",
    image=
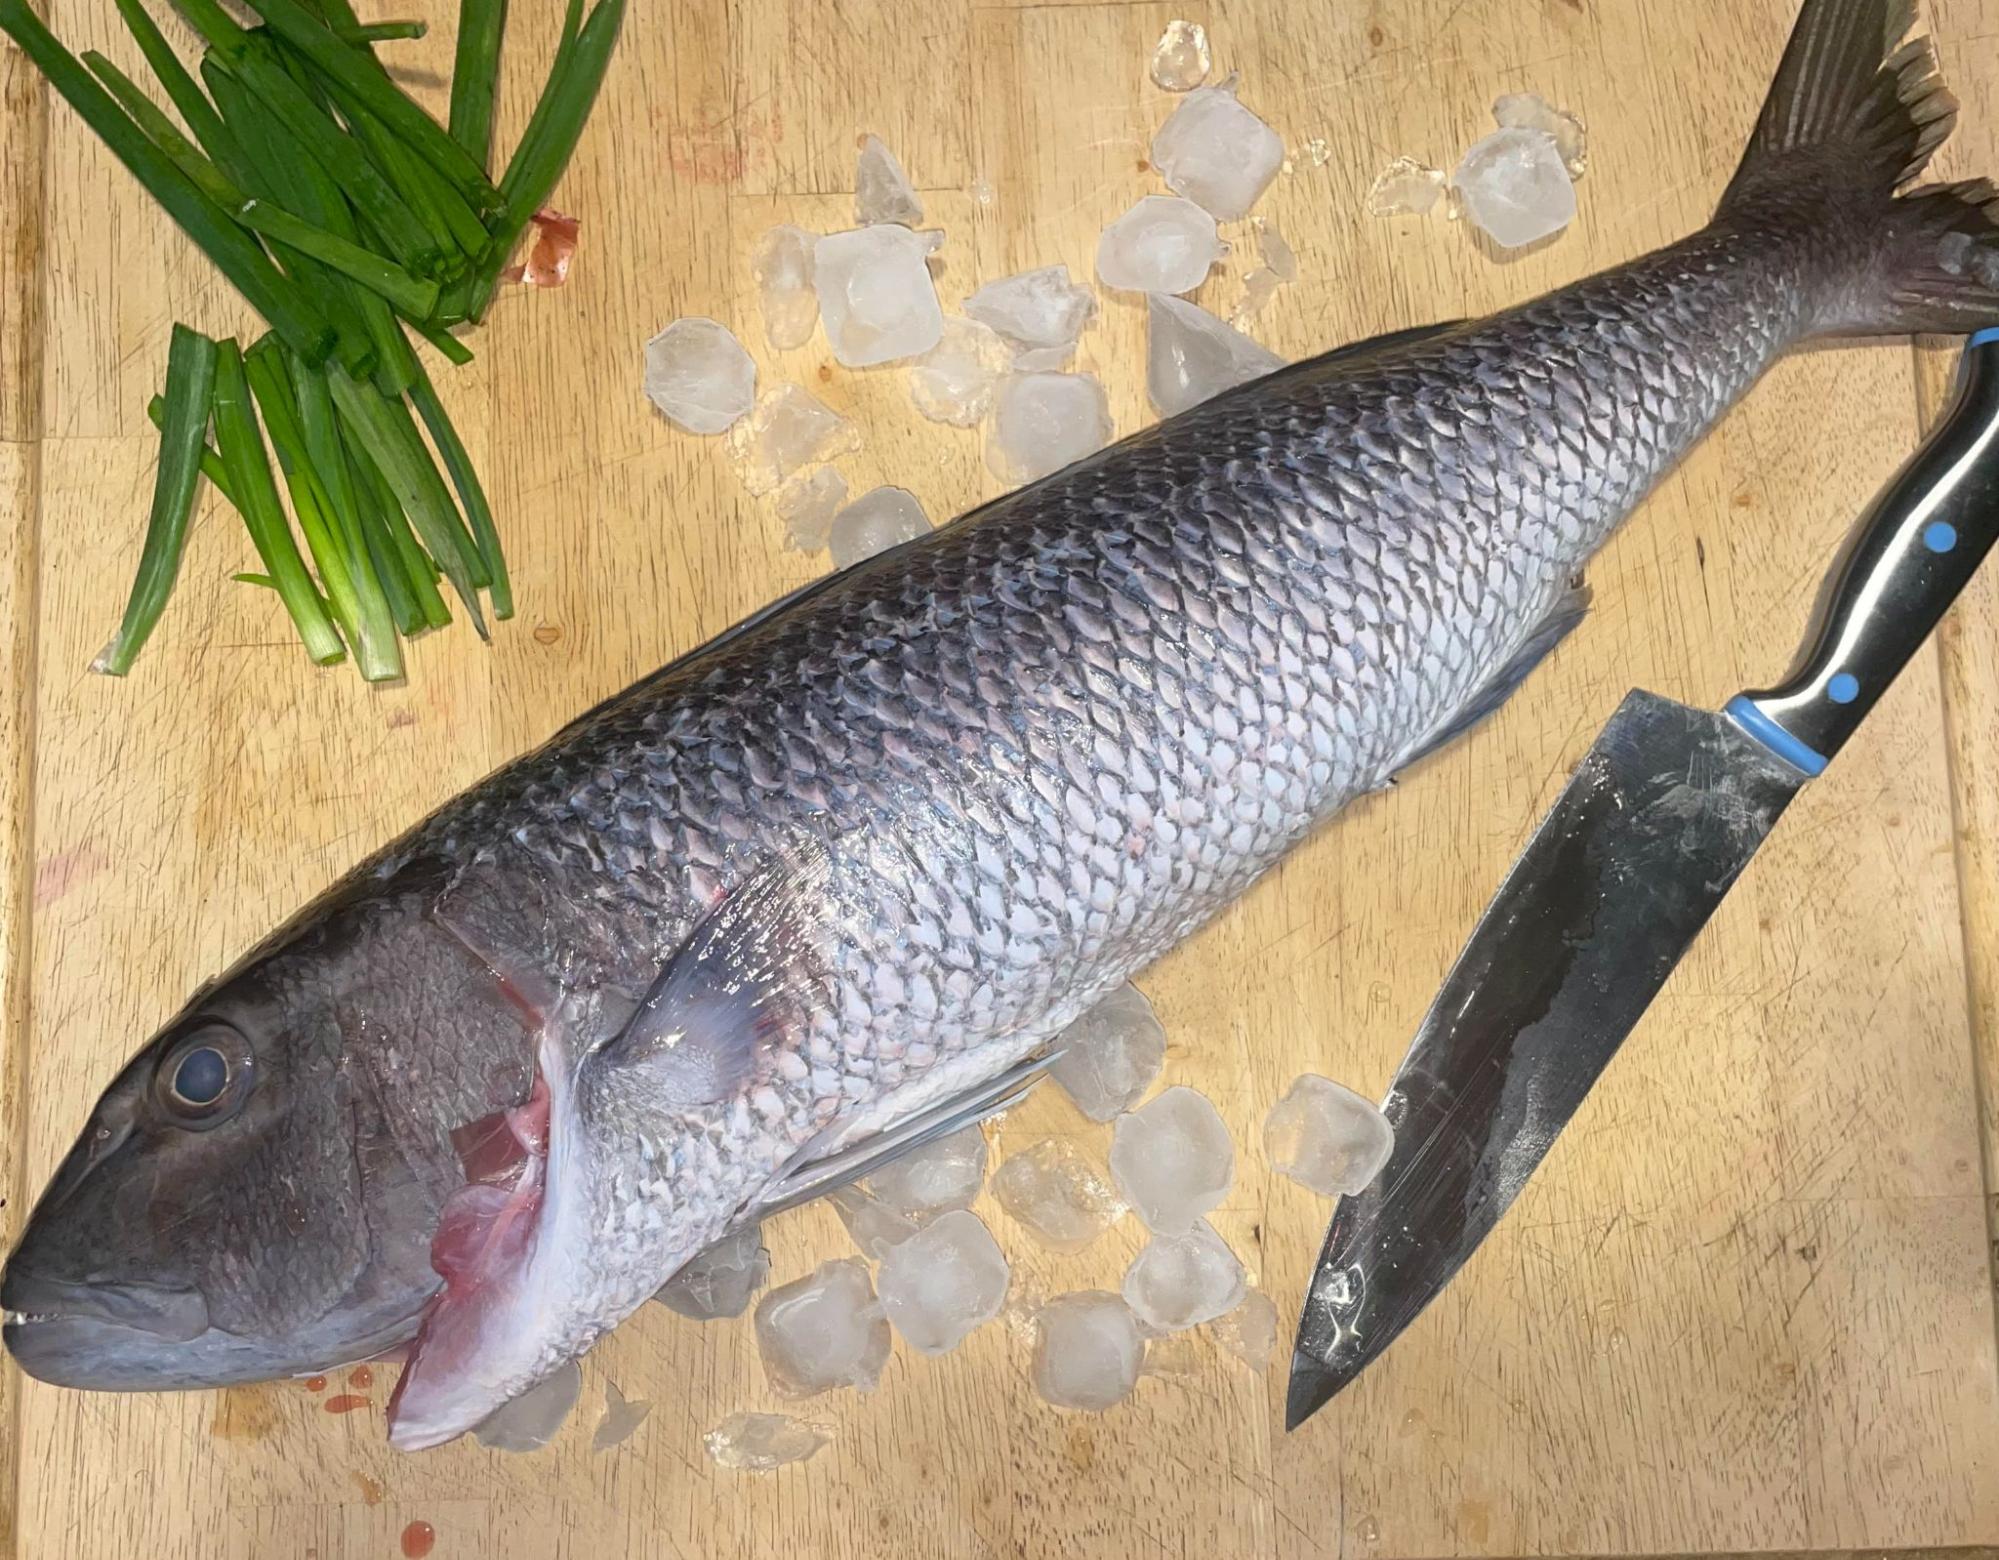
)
(1662, 816)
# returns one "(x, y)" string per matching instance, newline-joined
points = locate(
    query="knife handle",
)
(1909, 558)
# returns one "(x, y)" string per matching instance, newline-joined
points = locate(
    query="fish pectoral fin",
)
(744, 981)
(1560, 622)
(819, 1169)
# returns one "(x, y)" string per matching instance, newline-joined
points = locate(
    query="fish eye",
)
(204, 1078)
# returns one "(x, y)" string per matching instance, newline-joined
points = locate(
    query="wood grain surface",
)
(1746, 1306)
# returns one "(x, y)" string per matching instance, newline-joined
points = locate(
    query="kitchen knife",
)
(1659, 820)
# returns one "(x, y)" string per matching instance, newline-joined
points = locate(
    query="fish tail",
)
(1853, 117)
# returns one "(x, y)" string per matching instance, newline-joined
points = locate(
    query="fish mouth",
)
(103, 1336)
(33, 1299)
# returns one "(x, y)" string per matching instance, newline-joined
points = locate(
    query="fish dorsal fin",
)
(745, 978)
(818, 1171)
(1560, 622)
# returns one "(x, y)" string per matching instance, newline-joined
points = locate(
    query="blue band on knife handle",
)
(1981, 337)
(1773, 736)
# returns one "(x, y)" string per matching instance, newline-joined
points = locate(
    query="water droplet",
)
(1617, 1340)
(1368, 1531)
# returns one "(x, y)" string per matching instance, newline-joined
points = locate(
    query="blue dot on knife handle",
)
(1940, 536)
(1843, 689)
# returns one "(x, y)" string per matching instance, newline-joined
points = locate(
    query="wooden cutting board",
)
(1748, 1302)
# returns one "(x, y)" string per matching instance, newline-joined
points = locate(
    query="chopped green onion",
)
(250, 475)
(247, 578)
(381, 32)
(190, 389)
(475, 76)
(470, 494)
(161, 131)
(384, 430)
(418, 572)
(196, 111)
(449, 345)
(360, 81)
(211, 463)
(572, 24)
(391, 281)
(298, 322)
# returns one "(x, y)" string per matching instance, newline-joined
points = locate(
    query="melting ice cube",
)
(1058, 1194)
(876, 297)
(946, 1172)
(826, 1330)
(875, 522)
(1043, 422)
(1163, 245)
(1087, 1350)
(782, 266)
(874, 1225)
(1514, 186)
(1173, 1160)
(1190, 355)
(1217, 153)
(1531, 111)
(1035, 309)
(699, 375)
(882, 191)
(720, 1280)
(1111, 1054)
(1249, 1332)
(788, 431)
(943, 1281)
(1276, 250)
(1405, 188)
(953, 382)
(1180, 61)
(1181, 1281)
(1327, 1137)
(759, 1443)
(531, 1420)
(807, 505)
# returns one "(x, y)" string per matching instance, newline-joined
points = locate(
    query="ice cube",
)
(699, 375)
(875, 522)
(1258, 288)
(1163, 244)
(882, 191)
(1181, 61)
(788, 431)
(530, 1421)
(1035, 308)
(1277, 252)
(1191, 356)
(946, 1172)
(1181, 1281)
(953, 382)
(759, 1443)
(876, 298)
(621, 1419)
(1061, 1197)
(1174, 1356)
(1173, 1160)
(1249, 1332)
(1405, 188)
(719, 1281)
(1111, 1054)
(1327, 1137)
(1043, 422)
(807, 506)
(1087, 1350)
(874, 1225)
(1217, 153)
(825, 1330)
(1531, 111)
(943, 1281)
(782, 266)
(1514, 186)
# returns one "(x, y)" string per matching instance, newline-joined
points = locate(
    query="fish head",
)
(254, 1195)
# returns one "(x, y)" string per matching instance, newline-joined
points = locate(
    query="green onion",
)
(423, 394)
(292, 314)
(196, 111)
(427, 191)
(449, 345)
(351, 260)
(211, 463)
(383, 429)
(338, 553)
(475, 75)
(190, 389)
(247, 578)
(551, 138)
(160, 130)
(250, 475)
(418, 572)
(381, 32)
(572, 24)
(360, 81)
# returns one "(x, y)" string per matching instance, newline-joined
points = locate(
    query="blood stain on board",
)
(419, 1538)
(243, 1414)
(315, 1383)
(345, 1403)
(371, 1489)
(64, 871)
(360, 1378)
(719, 153)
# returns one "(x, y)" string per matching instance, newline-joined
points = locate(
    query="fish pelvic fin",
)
(1854, 115)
